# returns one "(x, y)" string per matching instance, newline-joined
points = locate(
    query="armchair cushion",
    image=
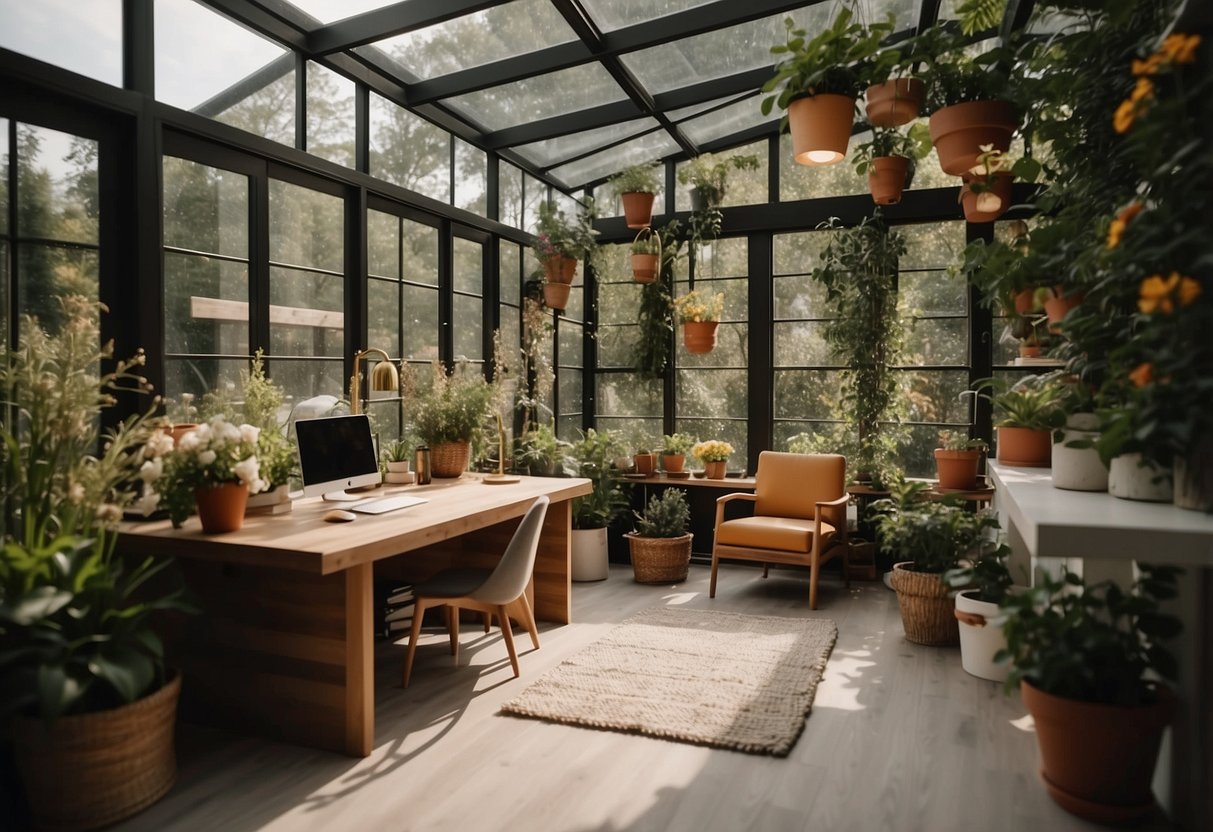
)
(790, 485)
(788, 534)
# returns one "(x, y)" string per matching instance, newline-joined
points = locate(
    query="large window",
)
(409, 151)
(467, 306)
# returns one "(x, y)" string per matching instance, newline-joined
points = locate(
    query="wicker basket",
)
(660, 560)
(450, 459)
(927, 612)
(92, 770)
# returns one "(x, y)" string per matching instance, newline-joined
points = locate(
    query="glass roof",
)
(475, 39)
(572, 101)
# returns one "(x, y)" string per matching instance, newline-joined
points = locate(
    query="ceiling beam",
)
(389, 21)
(250, 84)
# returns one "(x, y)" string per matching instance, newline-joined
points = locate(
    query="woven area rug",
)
(743, 682)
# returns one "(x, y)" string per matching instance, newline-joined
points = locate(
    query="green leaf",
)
(37, 604)
(129, 672)
(56, 690)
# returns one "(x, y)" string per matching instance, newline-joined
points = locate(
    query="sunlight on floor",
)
(841, 683)
(1025, 723)
(677, 599)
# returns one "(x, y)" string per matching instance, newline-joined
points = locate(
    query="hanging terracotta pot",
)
(1097, 760)
(1058, 304)
(556, 295)
(1025, 447)
(957, 470)
(988, 205)
(821, 128)
(560, 269)
(887, 179)
(896, 102)
(644, 266)
(959, 132)
(699, 336)
(1025, 301)
(638, 209)
(221, 507)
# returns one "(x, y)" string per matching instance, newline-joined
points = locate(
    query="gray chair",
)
(500, 591)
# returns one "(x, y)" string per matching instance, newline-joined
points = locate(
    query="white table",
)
(1101, 536)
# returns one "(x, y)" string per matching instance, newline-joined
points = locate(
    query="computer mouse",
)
(339, 515)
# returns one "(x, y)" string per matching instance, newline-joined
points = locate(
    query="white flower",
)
(250, 434)
(75, 494)
(207, 457)
(190, 442)
(228, 431)
(151, 470)
(248, 471)
(147, 502)
(158, 444)
(108, 513)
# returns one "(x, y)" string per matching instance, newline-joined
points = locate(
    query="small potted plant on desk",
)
(214, 468)
(674, 452)
(661, 544)
(396, 456)
(644, 461)
(590, 457)
(449, 414)
(1086, 660)
(928, 538)
(957, 460)
(714, 454)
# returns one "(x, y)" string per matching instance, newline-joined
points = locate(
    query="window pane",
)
(330, 115)
(468, 328)
(469, 266)
(420, 253)
(91, 43)
(613, 14)
(5, 291)
(205, 305)
(420, 323)
(199, 376)
(932, 293)
(555, 150)
(309, 320)
(569, 383)
(409, 151)
(626, 394)
(539, 97)
(642, 149)
(205, 209)
(741, 115)
(729, 431)
(935, 396)
(936, 245)
(617, 345)
(509, 270)
(511, 321)
(575, 309)
(57, 184)
(471, 177)
(304, 379)
(383, 316)
(3, 178)
(802, 344)
(618, 302)
(536, 192)
(306, 227)
(631, 432)
(936, 341)
(383, 244)
(569, 338)
(799, 253)
(711, 393)
(807, 394)
(509, 194)
(742, 187)
(800, 297)
(47, 273)
(268, 111)
(798, 181)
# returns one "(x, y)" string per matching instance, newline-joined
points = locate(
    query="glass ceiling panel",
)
(480, 38)
(695, 109)
(329, 11)
(551, 151)
(539, 97)
(727, 120)
(616, 14)
(91, 45)
(647, 148)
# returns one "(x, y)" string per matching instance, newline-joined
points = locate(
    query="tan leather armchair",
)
(800, 517)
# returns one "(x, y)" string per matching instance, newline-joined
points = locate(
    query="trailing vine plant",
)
(656, 316)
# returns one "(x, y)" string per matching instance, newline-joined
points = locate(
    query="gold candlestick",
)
(500, 478)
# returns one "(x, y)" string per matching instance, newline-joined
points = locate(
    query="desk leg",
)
(359, 661)
(553, 566)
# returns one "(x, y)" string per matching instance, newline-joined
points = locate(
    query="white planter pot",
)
(274, 497)
(1131, 478)
(979, 642)
(1079, 469)
(398, 472)
(590, 557)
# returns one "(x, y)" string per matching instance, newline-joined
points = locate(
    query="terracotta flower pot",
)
(221, 507)
(560, 269)
(957, 470)
(1025, 447)
(1097, 760)
(645, 463)
(644, 268)
(887, 179)
(1027, 350)
(821, 128)
(556, 295)
(715, 470)
(928, 613)
(987, 206)
(896, 102)
(699, 336)
(673, 463)
(1025, 301)
(178, 431)
(1058, 304)
(638, 209)
(958, 132)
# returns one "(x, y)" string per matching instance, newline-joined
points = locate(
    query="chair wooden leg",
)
(414, 634)
(712, 585)
(766, 567)
(527, 618)
(814, 569)
(453, 611)
(846, 563)
(488, 620)
(504, 619)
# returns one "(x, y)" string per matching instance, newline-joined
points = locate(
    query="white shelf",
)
(1055, 523)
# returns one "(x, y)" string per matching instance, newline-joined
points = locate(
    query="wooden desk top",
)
(301, 540)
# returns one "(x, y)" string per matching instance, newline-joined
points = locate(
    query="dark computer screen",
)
(335, 451)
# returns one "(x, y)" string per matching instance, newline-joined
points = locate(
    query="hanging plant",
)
(700, 316)
(656, 315)
(646, 254)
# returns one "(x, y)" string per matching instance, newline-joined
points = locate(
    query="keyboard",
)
(382, 505)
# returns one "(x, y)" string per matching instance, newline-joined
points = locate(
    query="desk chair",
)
(501, 591)
(800, 517)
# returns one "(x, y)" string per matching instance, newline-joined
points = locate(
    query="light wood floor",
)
(900, 738)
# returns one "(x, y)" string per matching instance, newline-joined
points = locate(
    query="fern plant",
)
(980, 15)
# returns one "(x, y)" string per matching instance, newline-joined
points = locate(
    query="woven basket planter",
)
(660, 560)
(92, 770)
(450, 459)
(927, 613)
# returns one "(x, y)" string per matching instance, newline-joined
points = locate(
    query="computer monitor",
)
(336, 453)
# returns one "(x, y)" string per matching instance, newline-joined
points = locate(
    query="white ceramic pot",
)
(1194, 478)
(591, 561)
(1079, 469)
(398, 472)
(980, 637)
(1132, 478)
(279, 496)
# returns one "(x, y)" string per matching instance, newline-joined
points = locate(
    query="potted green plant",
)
(699, 313)
(561, 242)
(957, 459)
(817, 80)
(538, 452)
(928, 537)
(660, 544)
(590, 457)
(637, 187)
(889, 159)
(982, 582)
(214, 469)
(644, 461)
(1087, 660)
(449, 413)
(263, 401)
(1025, 415)
(714, 454)
(396, 455)
(674, 448)
(646, 255)
(707, 174)
(90, 706)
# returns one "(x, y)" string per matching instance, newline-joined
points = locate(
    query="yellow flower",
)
(1142, 375)
(1158, 294)
(713, 450)
(1180, 48)
(1117, 227)
(1147, 67)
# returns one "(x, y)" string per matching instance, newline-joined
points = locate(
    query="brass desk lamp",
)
(384, 378)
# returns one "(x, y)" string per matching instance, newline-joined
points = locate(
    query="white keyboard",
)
(381, 505)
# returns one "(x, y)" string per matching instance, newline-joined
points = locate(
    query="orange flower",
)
(1117, 227)
(1142, 374)
(1144, 89)
(1158, 294)
(1180, 48)
(1149, 66)
(1189, 291)
(1126, 113)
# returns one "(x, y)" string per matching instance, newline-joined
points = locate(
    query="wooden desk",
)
(284, 645)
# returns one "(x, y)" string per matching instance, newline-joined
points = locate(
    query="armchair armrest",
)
(835, 512)
(720, 503)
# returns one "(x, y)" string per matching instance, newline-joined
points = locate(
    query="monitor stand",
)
(341, 497)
